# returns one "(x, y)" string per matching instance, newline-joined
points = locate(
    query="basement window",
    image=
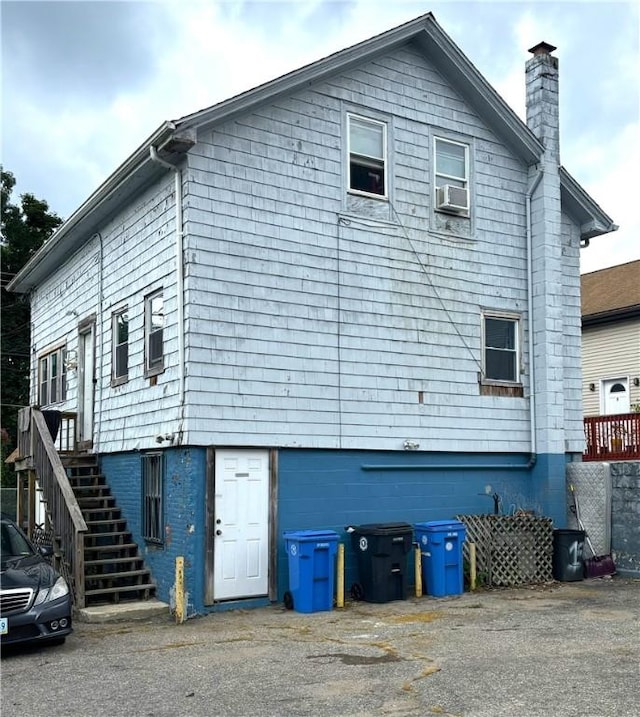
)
(367, 156)
(152, 503)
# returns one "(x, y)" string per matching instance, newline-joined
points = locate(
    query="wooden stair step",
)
(113, 590)
(112, 534)
(116, 576)
(113, 561)
(100, 522)
(110, 548)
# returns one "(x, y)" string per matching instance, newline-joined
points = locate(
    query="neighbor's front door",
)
(241, 524)
(86, 382)
(615, 394)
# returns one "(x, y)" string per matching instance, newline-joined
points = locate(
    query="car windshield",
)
(13, 543)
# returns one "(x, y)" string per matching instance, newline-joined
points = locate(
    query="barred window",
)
(152, 491)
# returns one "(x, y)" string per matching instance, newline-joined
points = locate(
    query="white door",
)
(615, 394)
(86, 381)
(241, 524)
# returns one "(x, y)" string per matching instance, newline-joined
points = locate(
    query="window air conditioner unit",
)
(452, 199)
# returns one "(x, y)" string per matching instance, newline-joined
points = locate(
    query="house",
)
(350, 295)
(611, 339)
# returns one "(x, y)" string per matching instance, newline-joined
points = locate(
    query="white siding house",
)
(356, 286)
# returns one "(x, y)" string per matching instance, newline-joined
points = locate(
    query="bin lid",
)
(310, 535)
(383, 529)
(439, 525)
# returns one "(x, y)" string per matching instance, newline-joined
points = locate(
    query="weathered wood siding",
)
(132, 256)
(610, 351)
(313, 323)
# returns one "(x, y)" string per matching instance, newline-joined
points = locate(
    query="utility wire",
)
(433, 287)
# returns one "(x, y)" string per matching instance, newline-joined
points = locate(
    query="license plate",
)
(4, 626)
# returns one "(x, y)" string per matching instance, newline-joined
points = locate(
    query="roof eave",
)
(28, 276)
(592, 219)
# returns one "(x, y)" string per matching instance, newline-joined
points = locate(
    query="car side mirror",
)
(46, 550)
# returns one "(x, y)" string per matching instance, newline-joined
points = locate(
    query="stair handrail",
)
(62, 506)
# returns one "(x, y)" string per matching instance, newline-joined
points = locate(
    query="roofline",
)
(20, 283)
(424, 30)
(601, 222)
(611, 315)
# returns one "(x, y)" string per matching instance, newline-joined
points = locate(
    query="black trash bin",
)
(381, 553)
(568, 548)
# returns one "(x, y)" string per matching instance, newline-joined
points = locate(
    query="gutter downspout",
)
(98, 339)
(180, 282)
(532, 374)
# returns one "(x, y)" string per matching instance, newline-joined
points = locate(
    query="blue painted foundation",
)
(332, 489)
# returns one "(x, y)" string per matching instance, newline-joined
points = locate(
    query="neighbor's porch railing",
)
(39, 454)
(612, 438)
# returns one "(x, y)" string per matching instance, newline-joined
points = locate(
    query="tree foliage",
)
(25, 227)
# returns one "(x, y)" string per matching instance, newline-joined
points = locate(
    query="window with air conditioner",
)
(367, 152)
(451, 180)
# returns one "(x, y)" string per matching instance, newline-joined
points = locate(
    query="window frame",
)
(119, 378)
(384, 159)
(152, 503)
(463, 180)
(516, 320)
(55, 385)
(155, 367)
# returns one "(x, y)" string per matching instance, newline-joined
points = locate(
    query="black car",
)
(35, 600)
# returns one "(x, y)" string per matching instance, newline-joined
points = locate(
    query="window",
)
(120, 346)
(152, 489)
(452, 163)
(367, 155)
(153, 328)
(52, 377)
(501, 350)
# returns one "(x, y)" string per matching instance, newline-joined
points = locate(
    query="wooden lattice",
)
(510, 549)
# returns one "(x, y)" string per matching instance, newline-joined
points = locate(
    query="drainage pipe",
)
(179, 281)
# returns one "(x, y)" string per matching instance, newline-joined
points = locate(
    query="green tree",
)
(25, 227)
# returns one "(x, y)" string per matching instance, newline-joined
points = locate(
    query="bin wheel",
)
(357, 591)
(288, 600)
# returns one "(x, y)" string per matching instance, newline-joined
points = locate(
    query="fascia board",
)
(304, 76)
(46, 257)
(463, 75)
(592, 219)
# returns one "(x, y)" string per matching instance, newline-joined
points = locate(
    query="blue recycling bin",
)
(312, 569)
(441, 549)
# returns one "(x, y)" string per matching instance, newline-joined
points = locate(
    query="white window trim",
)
(158, 368)
(60, 352)
(123, 378)
(385, 156)
(465, 180)
(517, 320)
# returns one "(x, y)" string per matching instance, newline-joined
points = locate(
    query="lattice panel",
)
(510, 550)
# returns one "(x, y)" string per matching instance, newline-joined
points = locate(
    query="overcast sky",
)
(85, 83)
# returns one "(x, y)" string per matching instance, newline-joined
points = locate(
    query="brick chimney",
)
(542, 99)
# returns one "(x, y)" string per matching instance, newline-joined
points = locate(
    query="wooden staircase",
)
(113, 568)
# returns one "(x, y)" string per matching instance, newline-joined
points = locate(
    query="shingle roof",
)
(615, 289)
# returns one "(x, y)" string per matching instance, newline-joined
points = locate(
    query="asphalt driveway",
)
(565, 649)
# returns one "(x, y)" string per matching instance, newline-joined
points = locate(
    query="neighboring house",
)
(611, 340)
(349, 295)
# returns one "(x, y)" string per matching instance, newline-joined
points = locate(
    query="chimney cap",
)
(542, 48)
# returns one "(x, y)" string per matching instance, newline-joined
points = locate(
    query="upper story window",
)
(153, 333)
(52, 377)
(120, 346)
(501, 358)
(451, 179)
(367, 155)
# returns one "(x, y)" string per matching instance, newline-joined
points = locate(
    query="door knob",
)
(218, 532)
